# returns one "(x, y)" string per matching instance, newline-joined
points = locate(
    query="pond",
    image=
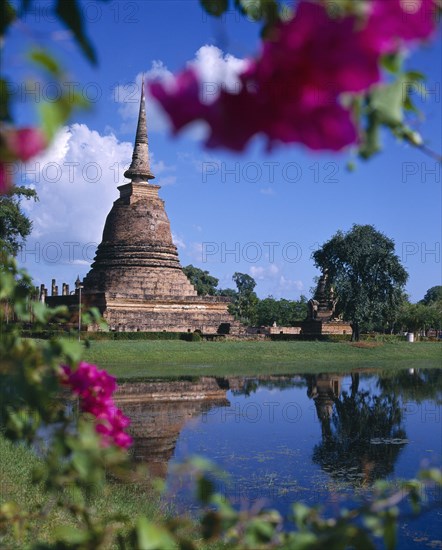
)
(319, 439)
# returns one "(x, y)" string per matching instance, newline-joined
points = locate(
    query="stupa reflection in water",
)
(159, 410)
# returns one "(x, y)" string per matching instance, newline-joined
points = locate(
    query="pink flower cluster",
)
(293, 91)
(21, 144)
(95, 388)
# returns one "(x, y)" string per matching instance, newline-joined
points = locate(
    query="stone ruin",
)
(322, 318)
(136, 279)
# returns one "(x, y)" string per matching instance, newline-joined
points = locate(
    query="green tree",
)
(284, 312)
(203, 282)
(244, 307)
(420, 317)
(366, 275)
(390, 323)
(300, 308)
(15, 226)
(267, 311)
(433, 294)
(228, 292)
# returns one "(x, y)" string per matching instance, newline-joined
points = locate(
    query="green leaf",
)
(78, 100)
(390, 533)
(8, 16)
(45, 60)
(301, 513)
(414, 76)
(71, 534)
(372, 138)
(70, 14)
(82, 463)
(388, 101)
(432, 474)
(409, 105)
(5, 97)
(239, 6)
(215, 7)
(210, 525)
(392, 62)
(69, 349)
(53, 115)
(259, 530)
(205, 490)
(303, 541)
(153, 537)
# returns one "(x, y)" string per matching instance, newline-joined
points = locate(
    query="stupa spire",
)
(139, 169)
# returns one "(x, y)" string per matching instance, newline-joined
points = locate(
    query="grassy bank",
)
(18, 462)
(176, 358)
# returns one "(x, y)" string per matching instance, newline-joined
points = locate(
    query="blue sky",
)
(257, 213)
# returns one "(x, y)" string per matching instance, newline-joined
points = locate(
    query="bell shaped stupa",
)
(136, 279)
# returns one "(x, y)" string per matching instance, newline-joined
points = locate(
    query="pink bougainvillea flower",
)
(391, 23)
(293, 91)
(25, 142)
(87, 380)
(95, 388)
(181, 99)
(290, 93)
(17, 145)
(5, 182)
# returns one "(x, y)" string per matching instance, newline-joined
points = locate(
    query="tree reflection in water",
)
(414, 385)
(362, 434)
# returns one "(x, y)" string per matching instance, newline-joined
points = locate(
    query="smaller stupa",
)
(322, 317)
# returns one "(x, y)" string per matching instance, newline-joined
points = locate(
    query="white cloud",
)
(289, 284)
(271, 281)
(196, 253)
(262, 273)
(162, 171)
(76, 181)
(215, 69)
(178, 241)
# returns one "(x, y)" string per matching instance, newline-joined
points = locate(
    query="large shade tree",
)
(366, 274)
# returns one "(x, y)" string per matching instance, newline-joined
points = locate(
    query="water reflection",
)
(362, 434)
(310, 438)
(362, 429)
(159, 410)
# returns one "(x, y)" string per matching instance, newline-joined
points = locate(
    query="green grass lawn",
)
(132, 499)
(165, 358)
(17, 464)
